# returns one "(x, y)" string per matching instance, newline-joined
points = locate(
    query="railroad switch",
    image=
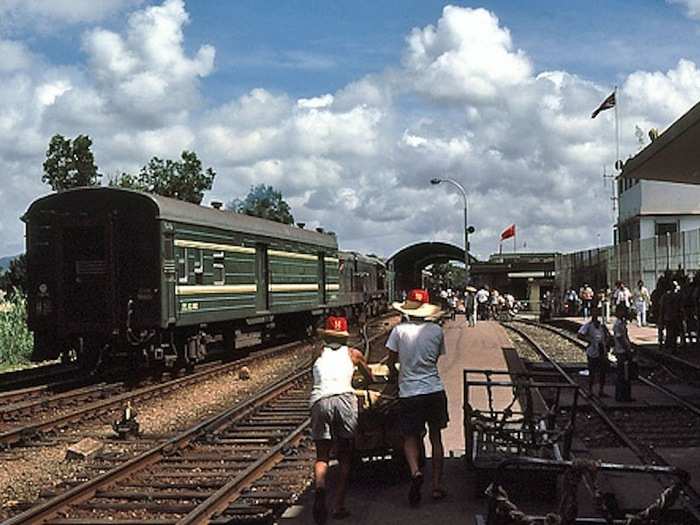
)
(128, 425)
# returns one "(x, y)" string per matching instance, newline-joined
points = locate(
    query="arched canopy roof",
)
(408, 262)
(417, 256)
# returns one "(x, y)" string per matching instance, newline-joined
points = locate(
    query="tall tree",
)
(181, 179)
(265, 202)
(70, 163)
(15, 278)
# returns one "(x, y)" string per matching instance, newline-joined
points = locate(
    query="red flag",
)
(508, 232)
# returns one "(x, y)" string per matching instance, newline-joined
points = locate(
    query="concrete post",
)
(629, 262)
(656, 259)
(668, 250)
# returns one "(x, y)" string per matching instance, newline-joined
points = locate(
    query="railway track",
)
(675, 426)
(241, 462)
(39, 376)
(22, 423)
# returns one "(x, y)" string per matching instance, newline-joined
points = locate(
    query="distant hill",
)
(5, 262)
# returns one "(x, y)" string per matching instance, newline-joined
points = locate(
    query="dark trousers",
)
(623, 386)
(672, 331)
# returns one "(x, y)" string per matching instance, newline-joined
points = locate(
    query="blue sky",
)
(306, 47)
(351, 107)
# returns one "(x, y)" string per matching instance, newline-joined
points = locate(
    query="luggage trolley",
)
(512, 419)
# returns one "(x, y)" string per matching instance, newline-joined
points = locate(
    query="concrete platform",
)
(379, 495)
(644, 335)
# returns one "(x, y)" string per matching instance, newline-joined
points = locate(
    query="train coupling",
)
(128, 424)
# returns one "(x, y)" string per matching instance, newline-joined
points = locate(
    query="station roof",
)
(674, 156)
(422, 254)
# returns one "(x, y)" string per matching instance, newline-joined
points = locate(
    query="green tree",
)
(70, 163)
(181, 179)
(15, 278)
(265, 202)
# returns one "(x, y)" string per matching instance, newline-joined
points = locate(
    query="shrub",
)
(16, 340)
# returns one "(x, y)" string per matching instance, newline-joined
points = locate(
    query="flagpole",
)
(617, 130)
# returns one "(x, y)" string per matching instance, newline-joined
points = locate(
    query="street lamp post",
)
(466, 227)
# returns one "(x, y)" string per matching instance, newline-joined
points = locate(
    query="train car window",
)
(219, 274)
(182, 266)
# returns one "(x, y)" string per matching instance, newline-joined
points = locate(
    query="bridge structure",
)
(408, 263)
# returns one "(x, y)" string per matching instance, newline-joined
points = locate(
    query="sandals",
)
(414, 494)
(439, 494)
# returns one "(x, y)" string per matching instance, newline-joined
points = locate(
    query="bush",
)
(16, 340)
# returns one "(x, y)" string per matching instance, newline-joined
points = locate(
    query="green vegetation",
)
(265, 202)
(180, 179)
(15, 338)
(70, 163)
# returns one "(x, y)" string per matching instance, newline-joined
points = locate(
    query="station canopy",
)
(408, 262)
(674, 156)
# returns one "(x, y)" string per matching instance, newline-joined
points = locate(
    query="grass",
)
(16, 340)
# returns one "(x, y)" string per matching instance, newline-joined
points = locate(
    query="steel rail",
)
(599, 409)
(20, 434)
(89, 489)
(652, 384)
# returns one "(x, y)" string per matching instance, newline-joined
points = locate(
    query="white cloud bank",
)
(464, 102)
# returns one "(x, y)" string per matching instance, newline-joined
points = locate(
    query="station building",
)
(527, 276)
(658, 226)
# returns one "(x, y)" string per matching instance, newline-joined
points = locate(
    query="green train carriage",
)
(156, 279)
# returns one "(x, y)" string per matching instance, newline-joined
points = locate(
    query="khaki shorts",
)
(334, 417)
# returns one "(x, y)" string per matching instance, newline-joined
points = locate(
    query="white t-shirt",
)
(419, 346)
(594, 336)
(333, 372)
(482, 296)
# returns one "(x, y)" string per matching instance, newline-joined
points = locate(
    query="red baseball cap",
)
(335, 326)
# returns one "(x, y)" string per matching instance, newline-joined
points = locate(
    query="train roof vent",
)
(319, 230)
(217, 205)
(301, 225)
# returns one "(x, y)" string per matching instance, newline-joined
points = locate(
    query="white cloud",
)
(465, 102)
(47, 13)
(692, 7)
(468, 56)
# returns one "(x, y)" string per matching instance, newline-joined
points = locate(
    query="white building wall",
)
(666, 197)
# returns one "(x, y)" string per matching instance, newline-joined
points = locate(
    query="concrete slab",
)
(374, 499)
(480, 347)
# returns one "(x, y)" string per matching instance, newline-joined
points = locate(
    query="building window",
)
(662, 228)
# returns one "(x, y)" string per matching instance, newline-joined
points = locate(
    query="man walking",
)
(417, 345)
(334, 412)
(641, 303)
(596, 335)
(470, 305)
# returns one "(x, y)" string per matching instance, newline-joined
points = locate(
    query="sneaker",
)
(320, 512)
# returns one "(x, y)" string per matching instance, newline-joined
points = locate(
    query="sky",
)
(350, 108)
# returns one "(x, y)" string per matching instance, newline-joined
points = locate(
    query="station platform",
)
(380, 496)
(639, 335)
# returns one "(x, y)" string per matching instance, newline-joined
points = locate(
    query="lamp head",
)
(435, 181)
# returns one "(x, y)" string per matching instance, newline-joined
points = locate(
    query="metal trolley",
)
(515, 421)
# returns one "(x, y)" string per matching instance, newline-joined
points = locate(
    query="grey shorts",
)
(334, 417)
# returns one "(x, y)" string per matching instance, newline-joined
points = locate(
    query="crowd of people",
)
(673, 306)
(482, 304)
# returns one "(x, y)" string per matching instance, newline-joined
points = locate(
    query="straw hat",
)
(470, 289)
(335, 328)
(417, 304)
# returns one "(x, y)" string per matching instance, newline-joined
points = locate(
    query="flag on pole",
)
(508, 232)
(608, 103)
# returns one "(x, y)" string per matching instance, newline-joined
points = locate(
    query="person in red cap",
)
(334, 412)
(416, 345)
